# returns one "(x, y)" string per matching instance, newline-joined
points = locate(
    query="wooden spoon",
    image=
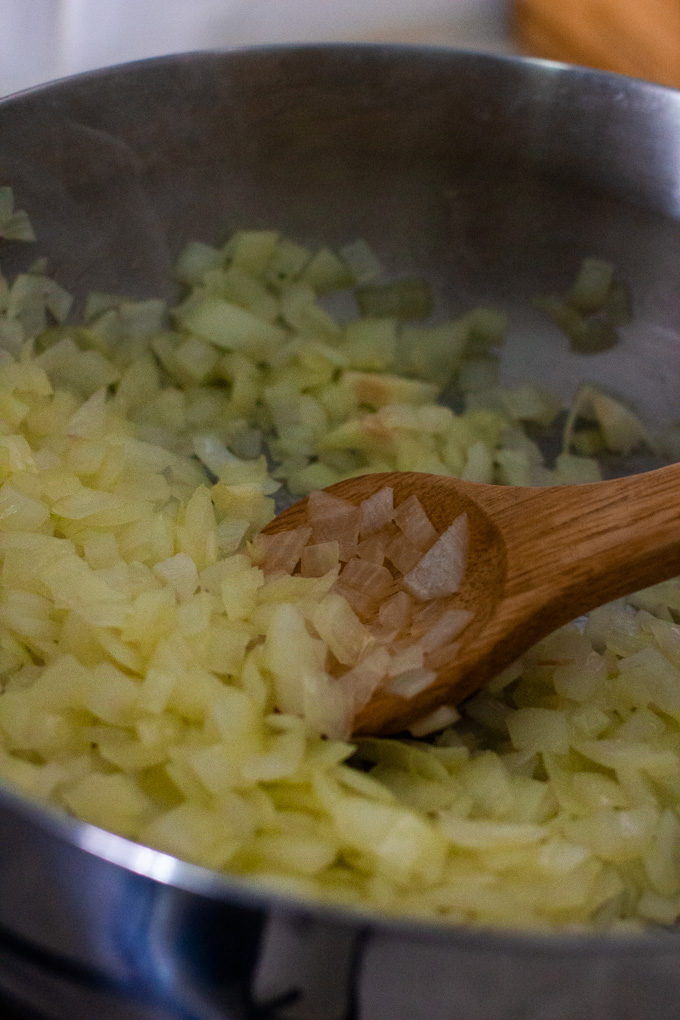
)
(538, 558)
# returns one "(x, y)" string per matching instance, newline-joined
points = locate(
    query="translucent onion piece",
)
(365, 678)
(282, 551)
(403, 554)
(407, 685)
(318, 559)
(440, 571)
(362, 605)
(405, 662)
(426, 614)
(368, 578)
(438, 720)
(415, 523)
(376, 511)
(448, 626)
(334, 519)
(328, 706)
(341, 629)
(373, 549)
(396, 611)
(363, 263)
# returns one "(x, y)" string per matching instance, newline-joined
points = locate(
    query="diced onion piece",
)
(334, 519)
(318, 559)
(368, 578)
(376, 511)
(322, 505)
(380, 389)
(440, 719)
(373, 549)
(441, 569)
(448, 626)
(585, 336)
(415, 524)
(480, 834)
(572, 470)
(326, 272)
(395, 612)
(251, 250)
(623, 431)
(341, 629)
(281, 551)
(363, 606)
(180, 573)
(539, 729)
(90, 418)
(328, 706)
(287, 263)
(403, 554)
(370, 344)
(291, 654)
(406, 661)
(195, 260)
(19, 512)
(233, 328)
(364, 264)
(17, 227)
(213, 453)
(426, 614)
(407, 685)
(365, 678)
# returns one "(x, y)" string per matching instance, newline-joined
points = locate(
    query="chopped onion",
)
(158, 683)
(334, 519)
(445, 629)
(395, 612)
(415, 524)
(281, 551)
(441, 569)
(343, 632)
(373, 549)
(318, 559)
(363, 605)
(363, 263)
(403, 554)
(364, 679)
(376, 512)
(413, 682)
(368, 578)
(438, 720)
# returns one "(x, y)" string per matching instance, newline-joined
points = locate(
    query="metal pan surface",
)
(492, 176)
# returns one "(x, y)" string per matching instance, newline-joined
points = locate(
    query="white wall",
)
(44, 39)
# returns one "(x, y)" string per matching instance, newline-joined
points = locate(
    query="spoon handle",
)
(574, 548)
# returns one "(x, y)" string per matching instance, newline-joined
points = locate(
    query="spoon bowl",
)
(537, 558)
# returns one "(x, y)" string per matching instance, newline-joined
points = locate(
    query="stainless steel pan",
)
(495, 177)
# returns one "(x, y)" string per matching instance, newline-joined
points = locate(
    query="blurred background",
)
(45, 39)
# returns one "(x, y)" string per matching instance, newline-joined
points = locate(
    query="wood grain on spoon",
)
(538, 558)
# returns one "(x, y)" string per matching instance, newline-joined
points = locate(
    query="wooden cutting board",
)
(636, 37)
